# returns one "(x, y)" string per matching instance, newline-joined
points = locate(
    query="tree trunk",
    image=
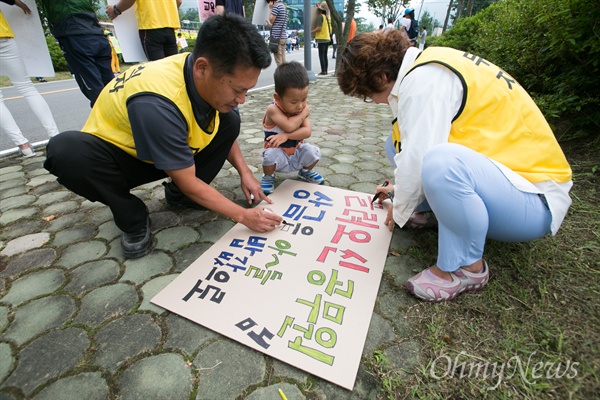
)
(447, 17)
(470, 8)
(459, 9)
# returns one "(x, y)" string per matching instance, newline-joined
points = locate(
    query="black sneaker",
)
(137, 244)
(177, 199)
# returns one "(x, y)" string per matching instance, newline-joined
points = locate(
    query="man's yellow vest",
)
(109, 120)
(5, 31)
(498, 118)
(153, 14)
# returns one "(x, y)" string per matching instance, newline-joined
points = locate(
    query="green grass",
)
(59, 76)
(538, 318)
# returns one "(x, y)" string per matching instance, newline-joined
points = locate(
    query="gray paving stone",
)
(7, 193)
(3, 318)
(64, 221)
(165, 376)
(402, 240)
(38, 258)
(22, 228)
(34, 284)
(151, 288)
(365, 388)
(213, 231)
(38, 316)
(10, 216)
(184, 257)
(16, 202)
(341, 180)
(380, 331)
(46, 188)
(186, 335)
(403, 267)
(36, 172)
(12, 168)
(88, 386)
(141, 269)
(42, 360)
(53, 197)
(108, 231)
(172, 239)
(227, 368)
(93, 275)
(74, 235)
(285, 371)
(7, 361)
(123, 338)
(164, 219)
(42, 179)
(115, 250)
(80, 253)
(403, 357)
(366, 175)
(393, 305)
(87, 205)
(13, 183)
(107, 302)
(100, 215)
(25, 243)
(64, 207)
(290, 391)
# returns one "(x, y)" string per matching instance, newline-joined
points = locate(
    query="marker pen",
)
(387, 182)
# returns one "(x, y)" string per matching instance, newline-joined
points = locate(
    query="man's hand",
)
(261, 219)
(23, 7)
(252, 190)
(110, 11)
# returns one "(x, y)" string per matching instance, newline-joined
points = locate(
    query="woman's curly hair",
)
(370, 60)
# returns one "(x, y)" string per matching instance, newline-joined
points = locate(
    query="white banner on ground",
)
(30, 38)
(303, 293)
(126, 30)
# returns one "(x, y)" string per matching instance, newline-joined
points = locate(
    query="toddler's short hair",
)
(290, 75)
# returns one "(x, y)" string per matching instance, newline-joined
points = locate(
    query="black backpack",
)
(413, 31)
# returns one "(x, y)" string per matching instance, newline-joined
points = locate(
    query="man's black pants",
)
(100, 171)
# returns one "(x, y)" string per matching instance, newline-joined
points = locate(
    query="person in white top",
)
(422, 38)
(487, 165)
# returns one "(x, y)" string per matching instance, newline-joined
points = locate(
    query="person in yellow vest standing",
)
(469, 144)
(169, 118)
(322, 32)
(157, 22)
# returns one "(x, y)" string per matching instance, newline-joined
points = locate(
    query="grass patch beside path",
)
(536, 327)
(59, 76)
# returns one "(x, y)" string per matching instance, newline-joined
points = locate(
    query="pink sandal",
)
(421, 220)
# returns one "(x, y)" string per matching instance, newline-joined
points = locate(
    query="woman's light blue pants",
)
(473, 200)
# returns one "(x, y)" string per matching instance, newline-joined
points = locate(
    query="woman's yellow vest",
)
(154, 14)
(5, 31)
(165, 78)
(323, 34)
(498, 118)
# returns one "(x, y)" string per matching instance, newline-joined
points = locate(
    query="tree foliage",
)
(385, 9)
(551, 47)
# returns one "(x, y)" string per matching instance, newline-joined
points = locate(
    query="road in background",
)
(71, 108)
